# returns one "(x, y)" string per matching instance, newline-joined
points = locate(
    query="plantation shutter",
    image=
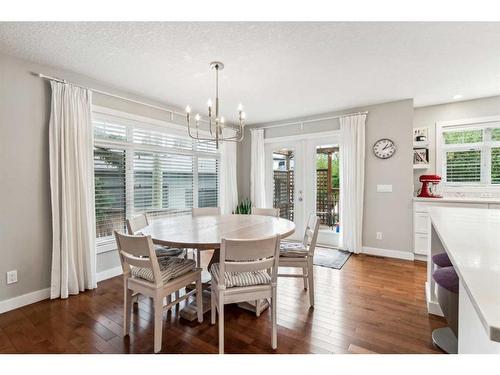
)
(163, 183)
(110, 193)
(472, 154)
(208, 182)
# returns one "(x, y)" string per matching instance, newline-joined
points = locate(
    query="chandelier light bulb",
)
(240, 107)
(197, 117)
(222, 119)
(188, 109)
(243, 115)
(209, 103)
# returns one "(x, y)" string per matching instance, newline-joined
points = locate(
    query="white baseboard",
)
(109, 273)
(398, 254)
(23, 300)
(39, 295)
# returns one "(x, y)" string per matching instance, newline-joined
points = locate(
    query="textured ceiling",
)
(278, 70)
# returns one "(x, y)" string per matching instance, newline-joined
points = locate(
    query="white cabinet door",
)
(422, 222)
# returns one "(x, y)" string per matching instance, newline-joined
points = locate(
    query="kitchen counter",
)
(458, 200)
(471, 237)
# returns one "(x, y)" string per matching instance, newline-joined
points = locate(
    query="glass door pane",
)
(283, 182)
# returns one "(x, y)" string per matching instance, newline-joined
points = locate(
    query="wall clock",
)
(384, 148)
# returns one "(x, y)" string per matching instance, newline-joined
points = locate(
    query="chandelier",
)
(216, 122)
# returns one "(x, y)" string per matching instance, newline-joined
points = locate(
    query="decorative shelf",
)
(420, 166)
(420, 144)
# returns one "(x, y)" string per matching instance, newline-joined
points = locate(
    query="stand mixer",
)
(428, 189)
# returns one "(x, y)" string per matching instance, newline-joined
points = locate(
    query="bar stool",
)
(447, 293)
(441, 260)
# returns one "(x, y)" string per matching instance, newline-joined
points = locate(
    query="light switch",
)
(384, 188)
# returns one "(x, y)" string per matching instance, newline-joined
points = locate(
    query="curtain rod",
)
(312, 120)
(172, 112)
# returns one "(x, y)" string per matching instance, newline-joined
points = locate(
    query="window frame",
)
(131, 121)
(486, 146)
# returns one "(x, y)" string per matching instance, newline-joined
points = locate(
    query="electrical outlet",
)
(12, 277)
(379, 235)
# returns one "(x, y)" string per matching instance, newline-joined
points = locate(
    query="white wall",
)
(25, 211)
(389, 213)
(428, 116)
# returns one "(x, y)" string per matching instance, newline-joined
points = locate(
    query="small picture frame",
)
(420, 156)
(420, 134)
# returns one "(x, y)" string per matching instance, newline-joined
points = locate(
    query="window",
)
(469, 153)
(145, 167)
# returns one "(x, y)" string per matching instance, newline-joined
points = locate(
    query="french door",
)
(284, 189)
(302, 178)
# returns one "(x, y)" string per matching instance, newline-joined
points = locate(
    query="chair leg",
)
(212, 307)
(304, 278)
(198, 258)
(310, 272)
(177, 296)
(158, 308)
(199, 299)
(127, 309)
(221, 323)
(257, 308)
(274, 338)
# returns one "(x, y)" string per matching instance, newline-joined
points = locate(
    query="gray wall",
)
(25, 213)
(428, 116)
(389, 213)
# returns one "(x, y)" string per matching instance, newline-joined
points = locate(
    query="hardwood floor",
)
(372, 305)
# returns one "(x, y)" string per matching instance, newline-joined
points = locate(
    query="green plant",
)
(244, 207)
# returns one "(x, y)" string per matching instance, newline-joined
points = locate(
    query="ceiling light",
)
(216, 123)
(458, 96)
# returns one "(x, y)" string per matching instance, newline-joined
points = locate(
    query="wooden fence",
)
(326, 201)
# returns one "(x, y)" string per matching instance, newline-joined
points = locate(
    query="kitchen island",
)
(471, 238)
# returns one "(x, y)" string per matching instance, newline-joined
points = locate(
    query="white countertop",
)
(458, 200)
(471, 237)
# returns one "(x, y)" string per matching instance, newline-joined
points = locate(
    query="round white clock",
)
(384, 148)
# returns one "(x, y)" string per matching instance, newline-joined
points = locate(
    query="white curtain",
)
(352, 180)
(72, 191)
(228, 178)
(257, 172)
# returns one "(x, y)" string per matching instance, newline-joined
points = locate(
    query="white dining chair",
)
(247, 271)
(203, 211)
(156, 278)
(301, 255)
(266, 211)
(138, 222)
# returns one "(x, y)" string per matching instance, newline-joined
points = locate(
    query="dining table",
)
(206, 233)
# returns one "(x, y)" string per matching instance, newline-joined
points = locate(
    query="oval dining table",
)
(206, 233)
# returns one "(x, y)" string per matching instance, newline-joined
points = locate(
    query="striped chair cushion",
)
(170, 268)
(233, 279)
(293, 249)
(162, 251)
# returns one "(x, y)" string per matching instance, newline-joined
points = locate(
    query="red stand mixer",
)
(428, 186)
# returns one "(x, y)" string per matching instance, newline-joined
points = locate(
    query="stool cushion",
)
(442, 260)
(446, 278)
(170, 268)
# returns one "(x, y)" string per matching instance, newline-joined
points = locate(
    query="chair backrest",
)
(206, 211)
(136, 223)
(250, 255)
(311, 233)
(138, 251)
(266, 211)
